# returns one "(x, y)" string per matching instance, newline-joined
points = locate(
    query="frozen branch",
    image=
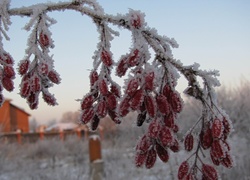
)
(149, 89)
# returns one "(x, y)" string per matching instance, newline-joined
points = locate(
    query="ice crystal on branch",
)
(149, 86)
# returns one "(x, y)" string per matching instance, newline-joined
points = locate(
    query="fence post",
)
(41, 134)
(19, 137)
(95, 157)
(78, 132)
(61, 134)
(86, 134)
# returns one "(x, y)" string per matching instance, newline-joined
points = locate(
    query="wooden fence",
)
(95, 157)
(32, 137)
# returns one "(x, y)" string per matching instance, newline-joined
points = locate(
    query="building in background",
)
(13, 118)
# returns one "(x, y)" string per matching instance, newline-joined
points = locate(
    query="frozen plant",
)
(149, 89)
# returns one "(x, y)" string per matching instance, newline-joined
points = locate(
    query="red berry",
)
(227, 161)
(124, 107)
(162, 104)
(149, 81)
(44, 68)
(132, 87)
(169, 120)
(87, 115)
(206, 138)
(153, 129)
(114, 117)
(167, 91)
(23, 66)
(140, 158)
(136, 21)
(166, 137)
(106, 58)
(217, 128)
(189, 142)
(209, 172)
(36, 84)
(54, 77)
(6, 58)
(122, 67)
(144, 144)
(93, 77)
(162, 153)
(8, 84)
(94, 123)
(103, 87)
(34, 104)
(101, 109)
(215, 161)
(133, 60)
(111, 101)
(217, 149)
(183, 170)
(87, 101)
(115, 89)
(9, 72)
(25, 89)
(49, 99)
(44, 40)
(150, 105)
(151, 158)
(32, 98)
(175, 147)
(137, 99)
(176, 102)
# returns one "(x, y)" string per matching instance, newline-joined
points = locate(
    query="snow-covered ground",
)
(69, 160)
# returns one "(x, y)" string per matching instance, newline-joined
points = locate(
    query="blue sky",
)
(215, 34)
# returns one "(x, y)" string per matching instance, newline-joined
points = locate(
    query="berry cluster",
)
(150, 91)
(38, 75)
(151, 94)
(185, 172)
(101, 101)
(213, 136)
(7, 74)
(160, 110)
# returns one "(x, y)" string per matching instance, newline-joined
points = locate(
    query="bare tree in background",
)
(70, 116)
(236, 103)
(149, 86)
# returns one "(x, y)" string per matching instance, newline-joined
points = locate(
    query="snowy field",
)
(69, 160)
